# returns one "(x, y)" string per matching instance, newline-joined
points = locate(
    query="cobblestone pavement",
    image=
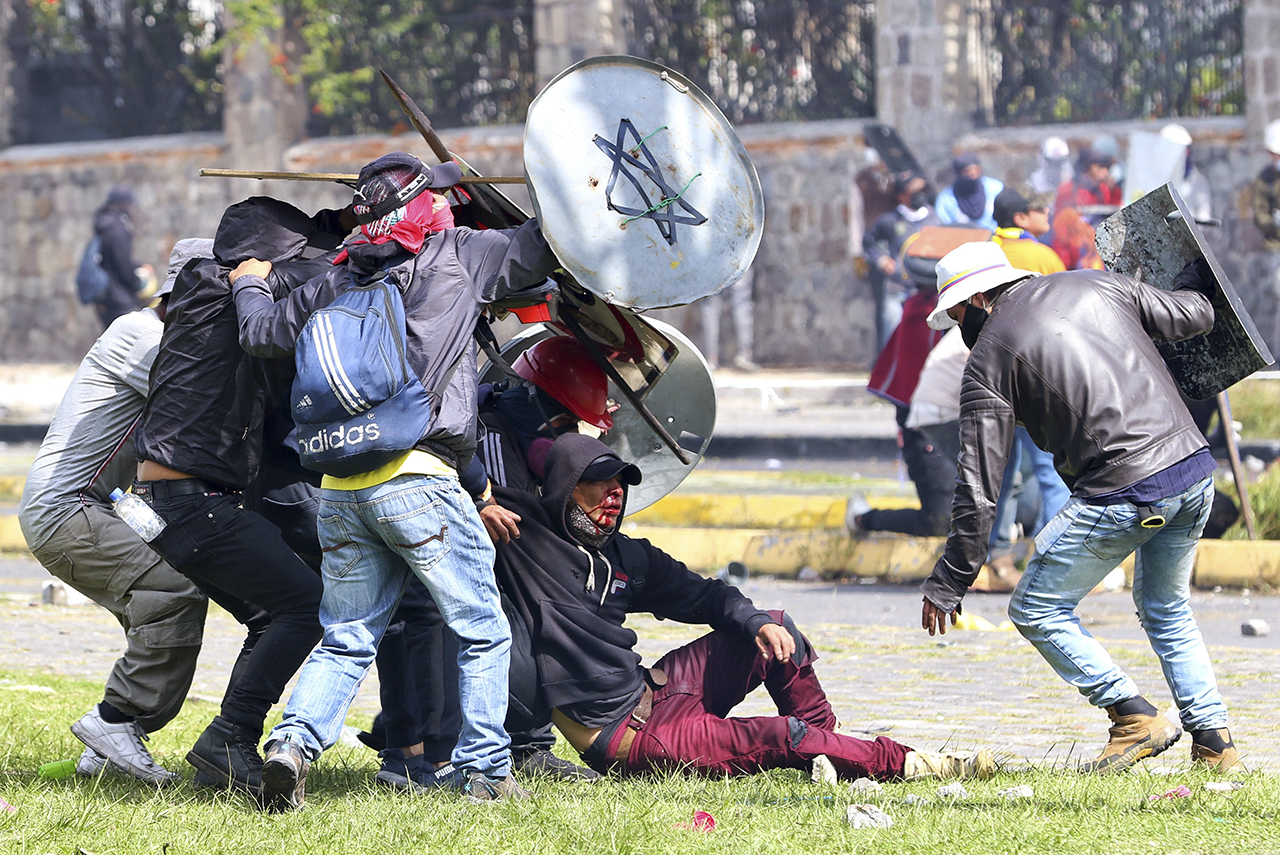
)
(882, 673)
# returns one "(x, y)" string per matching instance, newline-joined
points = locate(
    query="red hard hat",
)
(561, 367)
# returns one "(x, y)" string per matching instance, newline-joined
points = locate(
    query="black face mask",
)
(918, 200)
(971, 326)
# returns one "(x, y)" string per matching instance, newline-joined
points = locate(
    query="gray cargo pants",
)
(161, 612)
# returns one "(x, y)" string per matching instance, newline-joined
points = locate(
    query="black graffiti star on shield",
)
(665, 210)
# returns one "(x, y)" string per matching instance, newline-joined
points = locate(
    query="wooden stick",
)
(337, 177)
(1237, 470)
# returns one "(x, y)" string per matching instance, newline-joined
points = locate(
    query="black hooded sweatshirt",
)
(204, 410)
(574, 599)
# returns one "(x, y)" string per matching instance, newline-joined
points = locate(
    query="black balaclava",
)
(526, 417)
(971, 196)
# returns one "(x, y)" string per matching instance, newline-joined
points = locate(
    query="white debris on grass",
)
(867, 816)
(953, 791)
(913, 799)
(823, 771)
(865, 785)
(1013, 794)
(1224, 787)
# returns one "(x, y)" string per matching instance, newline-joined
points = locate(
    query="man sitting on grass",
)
(574, 577)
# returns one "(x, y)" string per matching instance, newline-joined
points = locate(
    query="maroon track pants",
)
(689, 727)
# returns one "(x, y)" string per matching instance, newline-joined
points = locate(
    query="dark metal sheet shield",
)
(1151, 240)
(681, 394)
(641, 185)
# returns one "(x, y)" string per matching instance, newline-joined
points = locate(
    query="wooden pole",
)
(1237, 470)
(348, 178)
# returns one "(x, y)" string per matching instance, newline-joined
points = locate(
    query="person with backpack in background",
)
(125, 278)
(199, 443)
(402, 511)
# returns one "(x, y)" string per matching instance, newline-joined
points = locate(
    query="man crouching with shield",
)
(1070, 356)
(574, 577)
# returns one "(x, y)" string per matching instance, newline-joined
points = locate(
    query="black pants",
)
(931, 453)
(241, 562)
(418, 679)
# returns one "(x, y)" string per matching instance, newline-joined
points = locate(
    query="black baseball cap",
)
(1009, 202)
(606, 466)
(395, 179)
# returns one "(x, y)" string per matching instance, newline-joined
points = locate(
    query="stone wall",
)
(811, 308)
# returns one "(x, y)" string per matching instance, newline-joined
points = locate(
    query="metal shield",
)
(641, 185)
(682, 396)
(1151, 240)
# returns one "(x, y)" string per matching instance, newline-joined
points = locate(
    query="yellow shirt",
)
(410, 463)
(1026, 253)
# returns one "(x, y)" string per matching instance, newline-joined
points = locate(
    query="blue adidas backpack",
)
(357, 404)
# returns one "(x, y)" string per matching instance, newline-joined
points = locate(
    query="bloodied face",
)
(600, 500)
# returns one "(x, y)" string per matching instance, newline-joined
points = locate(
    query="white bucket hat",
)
(971, 268)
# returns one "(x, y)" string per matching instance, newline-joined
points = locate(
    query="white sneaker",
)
(90, 764)
(855, 508)
(121, 745)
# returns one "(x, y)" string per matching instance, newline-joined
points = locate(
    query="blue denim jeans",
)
(1053, 490)
(1074, 552)
(372, 539)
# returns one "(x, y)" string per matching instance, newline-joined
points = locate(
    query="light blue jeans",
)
(372, 539)
(1074, 552)
(1053, 490)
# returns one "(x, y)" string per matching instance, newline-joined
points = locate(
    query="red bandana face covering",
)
(408, 226)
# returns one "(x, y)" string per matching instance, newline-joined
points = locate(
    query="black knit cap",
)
(395, 179)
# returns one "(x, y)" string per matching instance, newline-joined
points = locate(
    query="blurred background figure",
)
(1190, 182)
(972, 195)
(742, 306)
(1054, 167)
(1266, 210)
(113, 224)
(883, 245)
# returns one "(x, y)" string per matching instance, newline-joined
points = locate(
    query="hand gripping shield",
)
(642, 188)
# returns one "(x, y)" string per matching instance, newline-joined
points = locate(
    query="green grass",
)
(780, 812)
(1256, 405)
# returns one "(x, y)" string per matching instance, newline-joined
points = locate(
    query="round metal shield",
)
(683, 399)
(641, 185)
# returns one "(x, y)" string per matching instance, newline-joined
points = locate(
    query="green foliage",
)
(1256, 405)
(1264, 500)
(131, 68)
(463, 63)
(1082, 61)
(765, 62)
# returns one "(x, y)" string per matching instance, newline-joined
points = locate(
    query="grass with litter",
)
(776, 812)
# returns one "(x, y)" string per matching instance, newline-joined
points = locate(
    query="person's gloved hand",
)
(1196, 276)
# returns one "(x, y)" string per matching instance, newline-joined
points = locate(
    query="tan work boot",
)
(949, 764)
(1000, 575)
(1219, 761)
(1133, 737)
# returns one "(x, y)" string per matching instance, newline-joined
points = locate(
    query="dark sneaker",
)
(228, 754)
(121, 745)
(545, 763)
(1133, 737)
(284, 776)
(480, 788)
(949, 764)
(417, 774)
(1215, 750)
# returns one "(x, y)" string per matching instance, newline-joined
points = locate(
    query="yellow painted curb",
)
(771, 552)
(11, 538)
(725, 510)
(11, 487)
(1237, 563)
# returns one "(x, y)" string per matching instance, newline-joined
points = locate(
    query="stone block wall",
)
(811, 308)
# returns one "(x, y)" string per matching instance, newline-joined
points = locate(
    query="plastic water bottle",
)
(137, 514)
(57, 769)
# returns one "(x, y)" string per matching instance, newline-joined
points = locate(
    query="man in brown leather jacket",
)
(1070, 357)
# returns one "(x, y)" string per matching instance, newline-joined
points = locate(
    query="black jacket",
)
(205, 407)
(114, 228)
(574, 599)
(1070, 357)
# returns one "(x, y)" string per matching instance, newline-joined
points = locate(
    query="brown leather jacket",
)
(1070, 357)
